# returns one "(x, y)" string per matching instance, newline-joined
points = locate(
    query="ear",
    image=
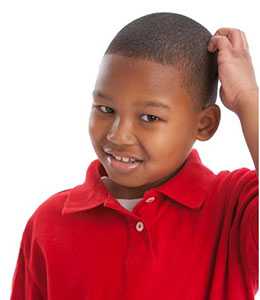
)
(208, 123)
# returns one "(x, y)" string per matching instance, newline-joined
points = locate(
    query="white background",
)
(49, 57)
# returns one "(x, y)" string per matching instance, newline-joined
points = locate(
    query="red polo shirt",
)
(193, 237)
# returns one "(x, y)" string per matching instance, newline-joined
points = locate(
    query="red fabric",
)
(199, 241)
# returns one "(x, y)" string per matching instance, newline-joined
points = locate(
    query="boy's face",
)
(124, 123)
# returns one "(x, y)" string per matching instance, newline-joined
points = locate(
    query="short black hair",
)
(173, 39)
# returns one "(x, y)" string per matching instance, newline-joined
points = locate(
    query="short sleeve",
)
(24, 283)
(244, 194)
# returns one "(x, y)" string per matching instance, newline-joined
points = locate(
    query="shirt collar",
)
(188, 187)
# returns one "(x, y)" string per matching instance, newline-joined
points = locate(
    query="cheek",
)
(172, 141)
(94, 129)
(161, 137)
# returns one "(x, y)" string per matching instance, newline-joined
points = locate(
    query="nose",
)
(120, 133)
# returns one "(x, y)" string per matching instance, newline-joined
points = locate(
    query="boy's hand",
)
(235, 69)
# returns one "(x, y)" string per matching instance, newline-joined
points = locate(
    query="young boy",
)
(150, 220)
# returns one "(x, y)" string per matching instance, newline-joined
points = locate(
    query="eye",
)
(151, 117)
(100, 106)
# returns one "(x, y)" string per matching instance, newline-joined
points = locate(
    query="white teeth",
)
(117, 157)
(124, 159)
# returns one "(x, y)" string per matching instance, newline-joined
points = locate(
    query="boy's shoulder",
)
(237, 177)
(234, 188)
(225, 180)
(44, 216)
(51, 207)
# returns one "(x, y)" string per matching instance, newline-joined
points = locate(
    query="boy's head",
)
(158, 58)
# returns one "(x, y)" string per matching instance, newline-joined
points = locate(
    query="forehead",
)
(121, 76)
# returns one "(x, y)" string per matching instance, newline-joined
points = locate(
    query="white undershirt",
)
(127, 203)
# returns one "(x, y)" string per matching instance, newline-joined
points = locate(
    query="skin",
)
(124, 124)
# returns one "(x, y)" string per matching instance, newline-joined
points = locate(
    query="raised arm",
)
(239, 89)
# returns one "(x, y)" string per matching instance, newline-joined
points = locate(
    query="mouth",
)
(122, 166)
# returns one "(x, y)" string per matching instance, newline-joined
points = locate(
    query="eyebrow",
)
(150, 103)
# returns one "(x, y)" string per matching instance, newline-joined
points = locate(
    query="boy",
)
(151, 221)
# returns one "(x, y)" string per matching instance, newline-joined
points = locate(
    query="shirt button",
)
(150, 199)
(139, 226)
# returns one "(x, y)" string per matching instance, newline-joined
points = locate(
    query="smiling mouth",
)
(121, 166)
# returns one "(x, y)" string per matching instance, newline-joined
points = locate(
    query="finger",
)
(218, 42)
(246, 46)
(233, 35)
